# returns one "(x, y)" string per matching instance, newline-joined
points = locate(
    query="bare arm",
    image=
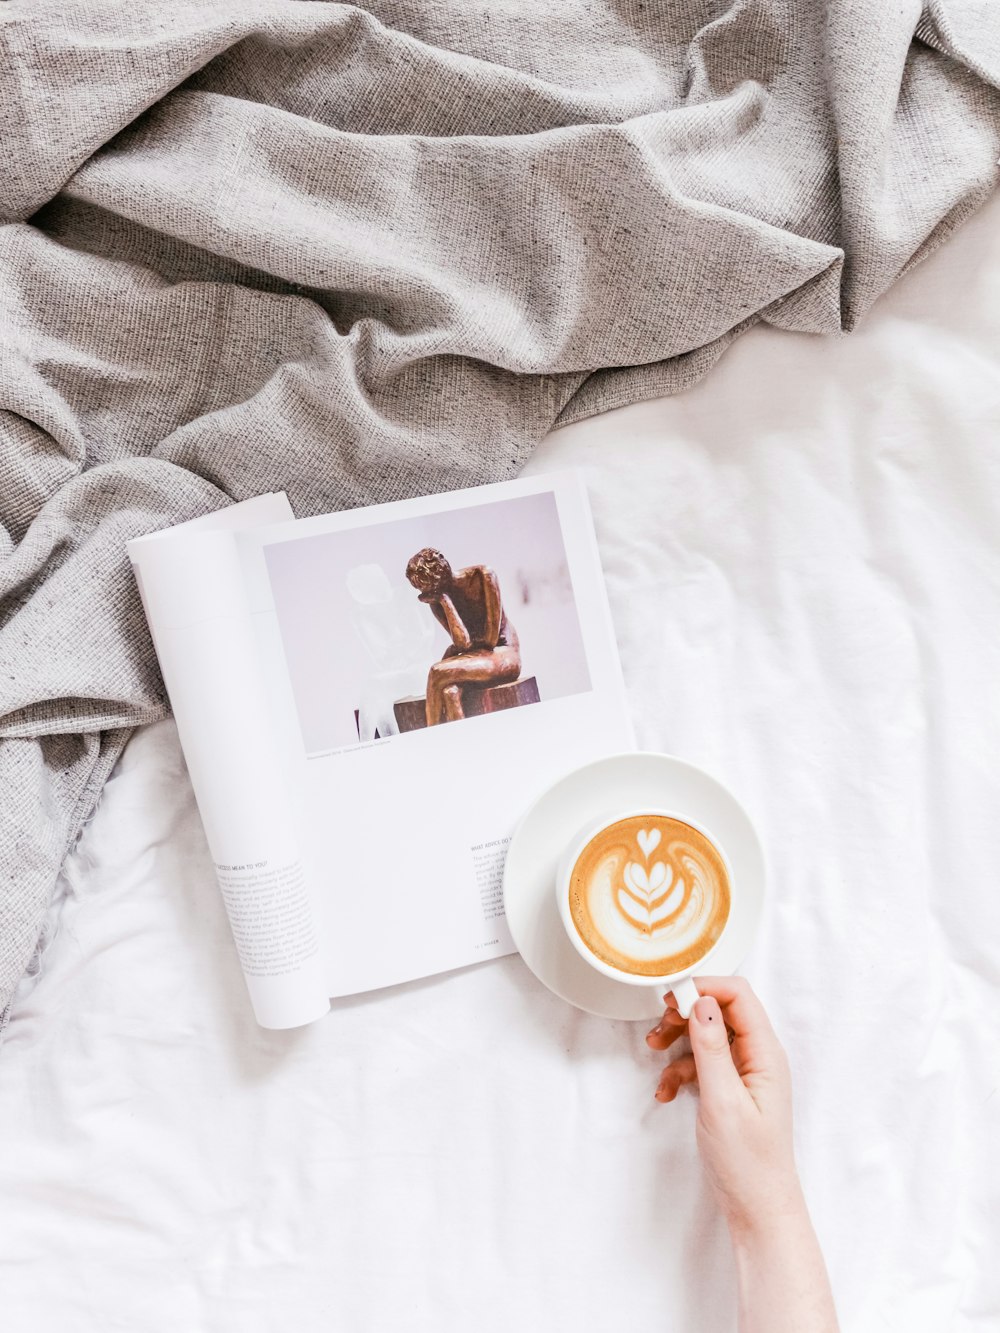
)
(493, 608)
(744, 1132)
(445, 612)
(781, 1277)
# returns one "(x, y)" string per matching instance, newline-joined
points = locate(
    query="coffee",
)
(649, 895)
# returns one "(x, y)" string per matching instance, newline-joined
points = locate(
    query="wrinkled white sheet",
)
(802, 560)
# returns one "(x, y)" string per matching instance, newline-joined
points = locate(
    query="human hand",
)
(744, 1126)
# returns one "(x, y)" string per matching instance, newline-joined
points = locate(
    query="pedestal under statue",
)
(484, 648)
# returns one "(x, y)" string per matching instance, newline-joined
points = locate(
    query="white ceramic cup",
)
(681, 983)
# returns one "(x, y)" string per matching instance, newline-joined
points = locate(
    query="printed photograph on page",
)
(427, 621)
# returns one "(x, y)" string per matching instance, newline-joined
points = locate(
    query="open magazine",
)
(367, 702)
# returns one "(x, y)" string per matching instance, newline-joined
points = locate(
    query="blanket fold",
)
(357, 253)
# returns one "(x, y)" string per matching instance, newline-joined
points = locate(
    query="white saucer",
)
(620, 782)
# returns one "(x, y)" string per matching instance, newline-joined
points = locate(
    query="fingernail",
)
(706, 1010)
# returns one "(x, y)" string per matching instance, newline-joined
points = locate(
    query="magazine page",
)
(196, 604)
(434, 664)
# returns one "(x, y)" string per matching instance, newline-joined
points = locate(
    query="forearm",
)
(781, 1276)
(493, 607)
(454, 624)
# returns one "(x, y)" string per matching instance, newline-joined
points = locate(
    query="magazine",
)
(367, 702)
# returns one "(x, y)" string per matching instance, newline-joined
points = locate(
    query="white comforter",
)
(803, 567)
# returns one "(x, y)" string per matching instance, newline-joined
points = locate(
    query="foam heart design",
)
(650, 919)
(642, 883)
(648, 840)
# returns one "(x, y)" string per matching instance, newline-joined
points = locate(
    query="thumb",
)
(717, 1076)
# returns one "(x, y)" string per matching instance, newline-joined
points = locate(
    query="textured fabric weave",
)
(359, 253)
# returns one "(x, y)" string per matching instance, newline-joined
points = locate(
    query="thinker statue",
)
(484, 649)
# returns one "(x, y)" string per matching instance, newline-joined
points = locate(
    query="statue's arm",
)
(453, 623)
(493, 606)
(436, 610)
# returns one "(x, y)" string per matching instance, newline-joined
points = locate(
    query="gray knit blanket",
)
(357, 253)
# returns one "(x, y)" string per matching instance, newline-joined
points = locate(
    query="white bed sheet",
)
(802, 559)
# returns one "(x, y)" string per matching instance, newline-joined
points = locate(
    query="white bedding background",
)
(802, 557)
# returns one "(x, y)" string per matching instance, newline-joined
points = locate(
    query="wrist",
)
(781, 1213)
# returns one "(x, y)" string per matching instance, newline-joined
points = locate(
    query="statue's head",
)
(429, 571)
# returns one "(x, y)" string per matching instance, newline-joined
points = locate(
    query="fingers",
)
(731, 1040)
(710, 1042)
(673, 1078)
(744, 1012)
(718, 1080)
(670, 1027)
(680, 1071)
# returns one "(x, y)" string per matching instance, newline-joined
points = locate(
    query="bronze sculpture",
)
(484, 648)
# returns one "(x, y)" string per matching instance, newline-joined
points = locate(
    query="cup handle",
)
(685, 992)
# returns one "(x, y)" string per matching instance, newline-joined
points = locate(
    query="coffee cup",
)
(645, 896)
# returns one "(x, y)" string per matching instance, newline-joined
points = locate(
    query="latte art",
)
(649, 895)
